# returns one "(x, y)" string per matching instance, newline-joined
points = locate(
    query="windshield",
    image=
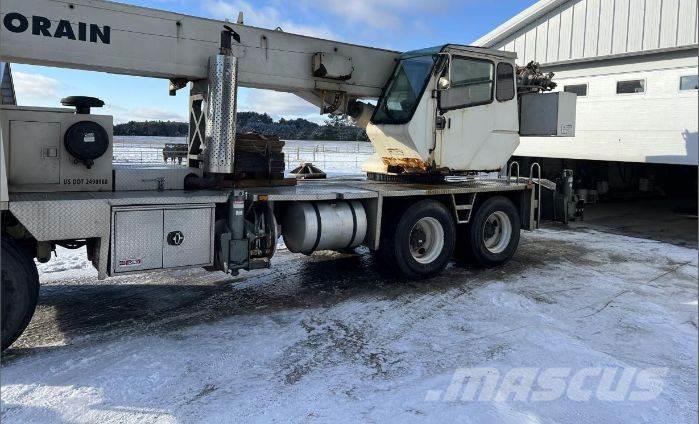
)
(398, 103)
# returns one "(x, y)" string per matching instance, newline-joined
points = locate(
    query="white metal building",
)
(633, 64)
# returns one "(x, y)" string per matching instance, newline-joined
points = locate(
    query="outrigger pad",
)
(308, 171)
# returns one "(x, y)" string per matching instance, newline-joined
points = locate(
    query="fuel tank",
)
(311, 226)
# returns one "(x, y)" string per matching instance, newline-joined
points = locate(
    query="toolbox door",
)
(138, 240)
(187, 237)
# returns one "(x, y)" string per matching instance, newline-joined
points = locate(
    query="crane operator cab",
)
(446, 109)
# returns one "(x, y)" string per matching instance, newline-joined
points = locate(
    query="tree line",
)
(335, 128)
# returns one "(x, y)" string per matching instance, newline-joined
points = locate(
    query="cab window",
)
(472, 82)
(506, 82)
(402, 96)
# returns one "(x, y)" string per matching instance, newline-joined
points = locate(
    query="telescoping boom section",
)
(104, 36)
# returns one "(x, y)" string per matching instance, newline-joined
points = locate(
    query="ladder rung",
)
(463, 207)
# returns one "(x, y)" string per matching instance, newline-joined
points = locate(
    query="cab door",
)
(480, 115)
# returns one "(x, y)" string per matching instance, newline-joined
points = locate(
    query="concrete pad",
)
(654, 219)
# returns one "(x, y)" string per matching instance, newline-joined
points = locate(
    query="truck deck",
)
(305, 190)
(349, 188)
(90, 215)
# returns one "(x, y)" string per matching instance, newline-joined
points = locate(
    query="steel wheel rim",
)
(426, 240)
(497, 232)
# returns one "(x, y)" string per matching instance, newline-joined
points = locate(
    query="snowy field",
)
(328, 338)
(336, 158)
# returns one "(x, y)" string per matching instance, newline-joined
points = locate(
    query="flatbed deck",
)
(84, 215)
(68, 215)
(350, 189)
(305, 190)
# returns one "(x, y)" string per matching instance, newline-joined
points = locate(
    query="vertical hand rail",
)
(538, 197)
(509, 171)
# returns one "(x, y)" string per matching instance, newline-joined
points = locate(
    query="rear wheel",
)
(492, 236)
(421, 243)
(19, 285)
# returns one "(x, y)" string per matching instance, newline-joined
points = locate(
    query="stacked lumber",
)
(258, 157)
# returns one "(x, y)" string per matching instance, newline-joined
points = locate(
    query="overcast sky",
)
(394, 24)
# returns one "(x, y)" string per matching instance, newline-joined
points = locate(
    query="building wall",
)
(590, 28)
(601, 42)
(657, 126)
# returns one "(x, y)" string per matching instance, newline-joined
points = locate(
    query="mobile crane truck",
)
(442, 115)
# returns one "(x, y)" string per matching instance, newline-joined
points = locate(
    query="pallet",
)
(257, 143)
(258, 157)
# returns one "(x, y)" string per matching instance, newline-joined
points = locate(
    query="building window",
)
(631, 87)
(690, 82)
(506, 82)
(579, 89)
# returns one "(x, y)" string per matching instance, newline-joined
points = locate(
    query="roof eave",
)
(518, 22)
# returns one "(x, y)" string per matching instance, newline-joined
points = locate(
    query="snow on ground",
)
(330, 339)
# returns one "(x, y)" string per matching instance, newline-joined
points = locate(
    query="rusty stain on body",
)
(407, 165)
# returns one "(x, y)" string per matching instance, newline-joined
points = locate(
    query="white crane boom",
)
(99, 35)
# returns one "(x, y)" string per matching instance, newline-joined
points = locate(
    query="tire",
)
(19, 286)
(492, 235)
(421, 242)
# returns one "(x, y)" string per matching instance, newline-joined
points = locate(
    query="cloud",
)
(40, 90)
(384, 14)
(34, 86)
(264, 17)
(274, 103)
(122, 114)
(277, 105)
(366, 12)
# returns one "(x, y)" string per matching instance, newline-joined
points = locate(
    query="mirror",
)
(444, 69)
(443, 83)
